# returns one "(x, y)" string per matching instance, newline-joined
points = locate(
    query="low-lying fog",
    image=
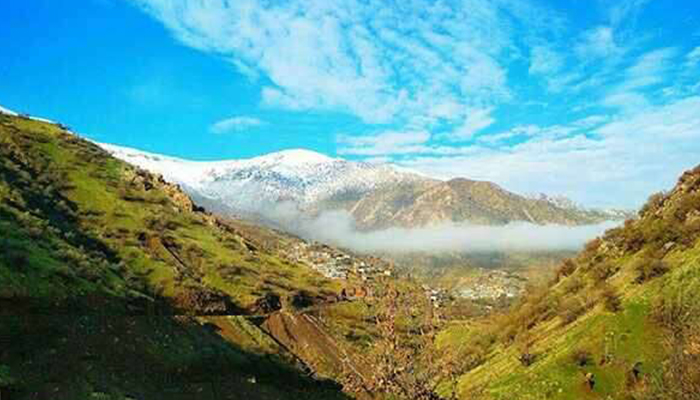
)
(338, 228)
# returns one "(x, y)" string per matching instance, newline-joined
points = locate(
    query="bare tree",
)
(404, 356)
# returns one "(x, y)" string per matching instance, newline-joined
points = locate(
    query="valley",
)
(114, 284)
(349, 200)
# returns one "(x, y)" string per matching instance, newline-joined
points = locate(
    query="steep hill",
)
(620, 321)
(461, 200)
(114, 285)
(377, 196)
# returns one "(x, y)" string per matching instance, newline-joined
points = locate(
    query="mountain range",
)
(115, 285)
(376, 196)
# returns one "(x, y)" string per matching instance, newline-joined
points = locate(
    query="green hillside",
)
(111, 281)
(620, 321)
(114, 285)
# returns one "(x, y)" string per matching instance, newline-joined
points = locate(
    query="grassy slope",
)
(650, 329)
(95, 266)
(76, 199)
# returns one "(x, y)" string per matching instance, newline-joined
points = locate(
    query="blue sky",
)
(595, 100)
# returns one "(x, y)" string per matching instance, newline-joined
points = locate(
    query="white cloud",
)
(617, 164)
(544, 61)
(625, 11)
(422, 67)
(235, 124)
(384, 144)
(591, 121)
(626, 101)
(650, 68)
(392, 143)
(476, 120)
(377, 60)
(596, 43)
(693, 58)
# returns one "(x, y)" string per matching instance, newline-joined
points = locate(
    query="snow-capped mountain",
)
(302, 177)
(281, 187)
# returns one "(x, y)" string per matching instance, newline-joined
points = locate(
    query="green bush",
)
(610, 298)
(572, 308)
(677, 308)
(573, 285)
(6, 378)
(648, 268)
(654, 202)
(602, 271)
(567, 268)
(581, 357)
(678, 305)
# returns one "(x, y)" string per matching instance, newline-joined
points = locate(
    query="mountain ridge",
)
(377, 196)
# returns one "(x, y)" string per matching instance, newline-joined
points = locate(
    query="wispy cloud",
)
(625, 159)
(693, 58)
(448, 87)
(475, 121)
(385, 143)
(625, 11)
(650, 68)
(377, 60)
(544, 60)
(596, 43)
(235, 124)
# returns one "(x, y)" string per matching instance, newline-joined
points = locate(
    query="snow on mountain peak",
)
(301, 176)
(296, 157)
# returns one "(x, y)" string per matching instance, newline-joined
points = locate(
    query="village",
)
(336, 264)
(487, 285)
(492, 285)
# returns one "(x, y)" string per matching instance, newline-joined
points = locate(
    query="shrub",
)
(527, 359)
(16, 259)
(691, 231)
(591, 249)
(648, 268)
(571, 309)
(654, 202)
(573, 285)
(581, 357)
(687, 204)
(301, 299)
(602, 271)
(632, 237)
(677, 308)
(681, 373)
(611, 300)
(6, 378)
(678, 305)
(566, 269)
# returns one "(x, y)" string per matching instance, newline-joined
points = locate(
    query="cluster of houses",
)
(492, 285)
(438, 296)
(335, 264)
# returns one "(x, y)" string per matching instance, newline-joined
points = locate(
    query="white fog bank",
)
(338, 228)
